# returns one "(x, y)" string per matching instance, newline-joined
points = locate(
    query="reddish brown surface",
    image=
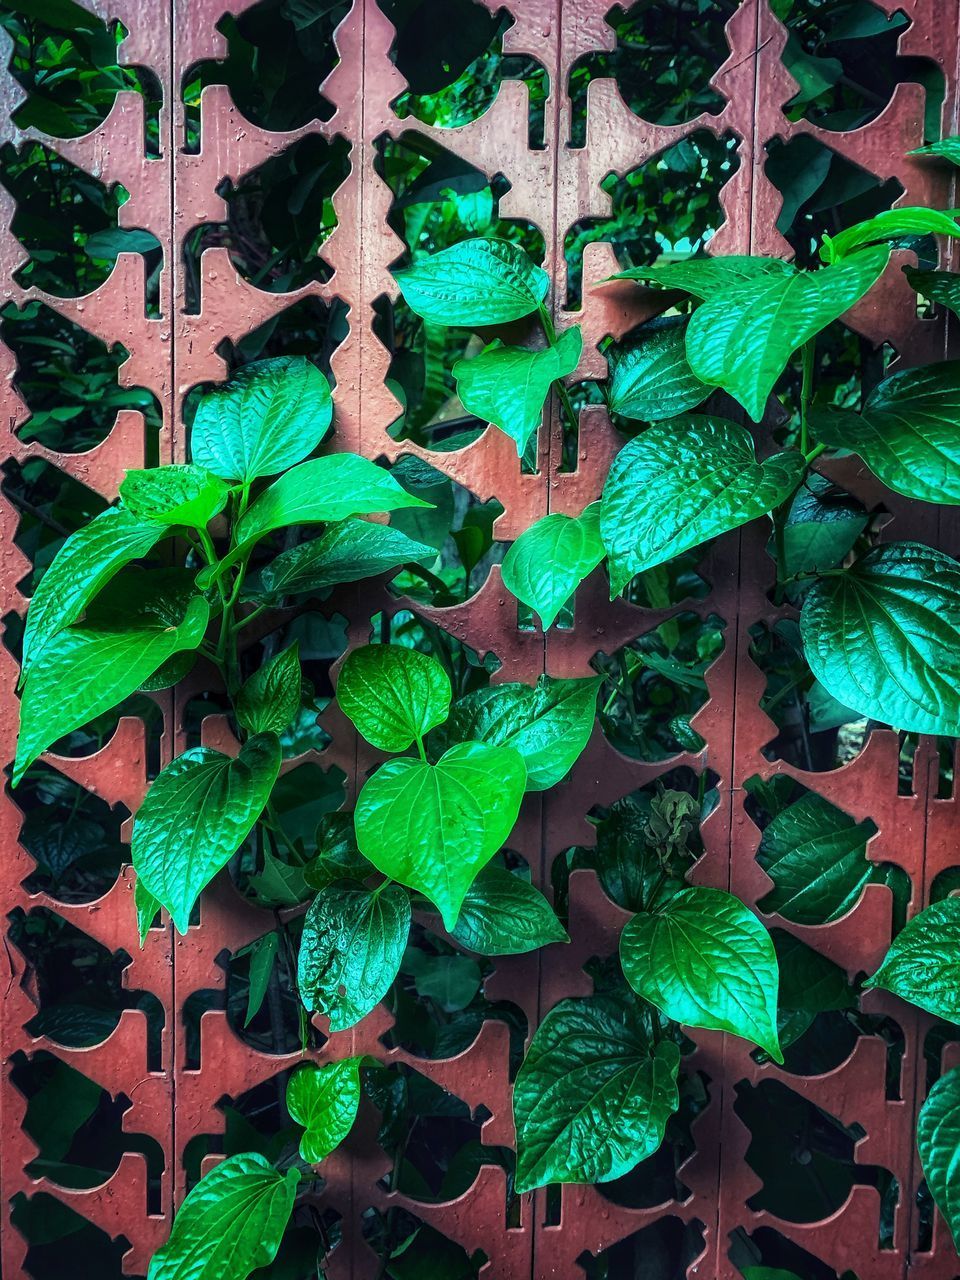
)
(553, 187)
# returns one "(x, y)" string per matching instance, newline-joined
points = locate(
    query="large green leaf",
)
(352, 944)
(432, 827)
(196, 816)
(325, 1101)
(705, 960)
(393, 695)
(908, 433)
(271, 697)
(474, 283)
(816, 856)
(504, 915)
(680, 483)
(742, 337)
(175, 495)
(891, 224)
(650, 378)
(270, 415)
(938, 1141)
(509, 385)
(549, 724)
(922, 965)
(883, 637)
(86, 562)
(704, 277)
(85, 670)
(230, 1224)
(551, 558)
(346, 552)
(592, 1098)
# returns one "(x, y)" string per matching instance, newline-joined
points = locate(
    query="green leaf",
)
(196, 816)
(942, 287)
(325, 1101)
(352, 944)
(550, 559)
(271, 697)
(263, 954)
(504, 915)
(883, 637)
(946, 148)
(346, 552)
(393, 695)
(84, 671)
(922, 965)
(175, 495)
(474, 283)
(146, 907)
(821, 526)
(432, 827)
(549, 724)
(908, 433)
(742, 337)
(816, 856)
(509, 385)
(704, 277)
(337, 856)
(682, 482)
(650, 378)
(592, 1098)
(86, 562)
(891, 224)
(231, 1222)
(938, 1141)
(705, 960)
(270, 415)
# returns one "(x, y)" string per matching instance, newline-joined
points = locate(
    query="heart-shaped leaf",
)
(705, 960)
(270, 415)
(550, 559)
(474, 283)
(821, 526)
(508, 386)
(393, 695)
(230, 1224)
(196, 816)
(352, 944)
(325, 1101)
(175, 495)
(908, 433)
(650, 378)
(432, 827)
(682, 482)
(883, 637)
(271, 697)
(592, 1098)
(938, 1141)
(504, 915)
(922, 965)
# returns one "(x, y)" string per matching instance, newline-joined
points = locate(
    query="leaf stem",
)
(806, 391)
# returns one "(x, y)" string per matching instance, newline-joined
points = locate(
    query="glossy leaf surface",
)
(474, 283)
(393, 695)
(551, 558)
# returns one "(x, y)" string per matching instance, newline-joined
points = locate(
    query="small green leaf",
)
(942, 287)
(270, 415)
(146, 907)
(325, 1101)
(352, 944)
(432, 827)
(592, 1098)
(742, 337)
(922, 965)
(230, 1224)
(508, 386)
(271, 697)
(84, 671)
(946, 148)
(84, 564)
(705, 960)
(682, 482)
(883, 637)
(810, 984)
(346, 552)
(337, 856)
(704, 277)
(474, 283)
(816, 856)
(891, 224)
(263, 954)
(175, 495)
(504, 915)
(908, 433)
(938, 1141)
(650, 378)
(393, 695)
(550, 559)
(821, 526)
(549, 724)
(196, 816)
